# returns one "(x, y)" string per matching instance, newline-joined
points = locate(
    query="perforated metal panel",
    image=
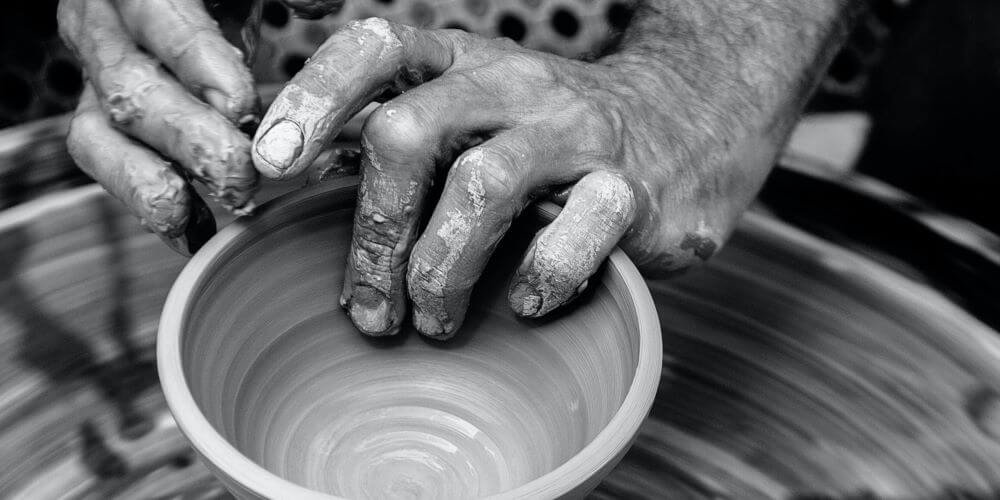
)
(39, 77)
(572, 28)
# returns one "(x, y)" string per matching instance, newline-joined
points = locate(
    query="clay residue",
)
(164, 198)
(381, 30)
(455, 233)
(123, 108)
(373, 159)
(457, 230)
(569, 251)
(380, 228)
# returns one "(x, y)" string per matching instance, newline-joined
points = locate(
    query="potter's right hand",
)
(165, 98)
(664, 143)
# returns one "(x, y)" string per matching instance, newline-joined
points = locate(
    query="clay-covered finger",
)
(358, 63)
(404, 140)
(314, 9)
(182, 35)
(147, 103)
(557, 265)
(487, 188)
(146, 183)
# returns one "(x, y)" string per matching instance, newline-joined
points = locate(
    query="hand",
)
(164, 102)
(653, 166)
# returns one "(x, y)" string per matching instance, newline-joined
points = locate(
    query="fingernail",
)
(200, 228)
(218, 100)
(429, 325)
(525, 299)
(371, 312)
(280, 146)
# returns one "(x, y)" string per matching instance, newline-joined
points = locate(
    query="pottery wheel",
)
(794, 368)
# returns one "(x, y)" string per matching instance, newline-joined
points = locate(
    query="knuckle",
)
(525, 64)
(122, 92)
(598, 126)
(487, 171)
(613, 194)
(385, 31)
(373, 249)
(397, 128)
(608, 182)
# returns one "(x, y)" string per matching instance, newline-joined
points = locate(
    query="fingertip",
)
(164, 206)
(438, 312)
(372, 312)
(562, 257)
(232, 179)
(524, 299)
(276, 149)
(431, 327)
(199, 229)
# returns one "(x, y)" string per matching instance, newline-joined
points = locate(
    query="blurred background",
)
(843, 346)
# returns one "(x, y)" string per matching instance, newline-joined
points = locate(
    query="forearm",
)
(771, 52)
(730, 76)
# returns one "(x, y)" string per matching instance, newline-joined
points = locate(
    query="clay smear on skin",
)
(385, 189)
(382, 30)
(561, 266)
(163, 203)
(218, 159)
(457, 231)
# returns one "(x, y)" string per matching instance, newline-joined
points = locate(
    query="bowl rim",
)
(602, 452)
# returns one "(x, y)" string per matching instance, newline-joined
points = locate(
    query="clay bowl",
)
(283, 398)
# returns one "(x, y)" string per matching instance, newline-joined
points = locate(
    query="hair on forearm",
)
(752, 56)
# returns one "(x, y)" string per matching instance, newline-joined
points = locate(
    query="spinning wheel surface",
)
(794, 368)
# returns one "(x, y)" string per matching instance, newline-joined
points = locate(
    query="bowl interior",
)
(278, 370)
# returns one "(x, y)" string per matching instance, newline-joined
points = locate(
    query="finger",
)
(148, 104)
(599, 211)
(403, 142)
(141, 179)
(182, 35)
(314, 9)
(487, 188)
(358, 63)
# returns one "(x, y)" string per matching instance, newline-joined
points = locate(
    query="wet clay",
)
(288, 380)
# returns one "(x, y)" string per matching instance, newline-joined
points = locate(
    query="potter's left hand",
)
(661, 157)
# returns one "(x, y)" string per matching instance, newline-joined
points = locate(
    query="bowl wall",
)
(277, 369)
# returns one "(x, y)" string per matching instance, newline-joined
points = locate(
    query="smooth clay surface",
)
(278, 370)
